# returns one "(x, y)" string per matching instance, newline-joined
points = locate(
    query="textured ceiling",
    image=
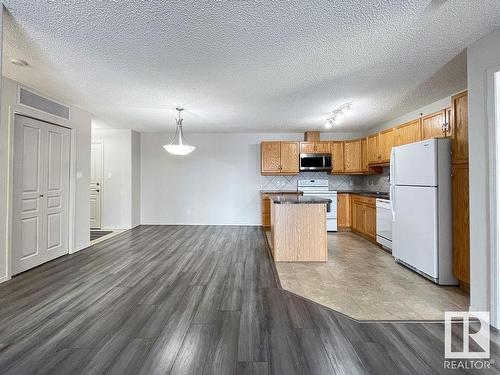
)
(245, 66)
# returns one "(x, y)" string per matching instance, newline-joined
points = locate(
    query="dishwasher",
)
(384, 223)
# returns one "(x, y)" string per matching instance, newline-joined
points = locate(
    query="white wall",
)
(120, 207)
(80, 178)
(218, 183)
(482, 57)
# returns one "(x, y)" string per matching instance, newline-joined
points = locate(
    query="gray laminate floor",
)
(192, 300)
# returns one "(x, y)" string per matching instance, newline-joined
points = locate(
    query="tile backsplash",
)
(337, 182)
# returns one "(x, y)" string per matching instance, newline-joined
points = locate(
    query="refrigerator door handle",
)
(392, 204)
(392, 168)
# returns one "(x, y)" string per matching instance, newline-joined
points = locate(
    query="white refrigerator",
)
(421, 208)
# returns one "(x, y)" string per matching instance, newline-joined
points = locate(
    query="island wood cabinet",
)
(321, 147)
(266, 205)
(279, 158)
(337, 149)
(408, 133)
(364, 216)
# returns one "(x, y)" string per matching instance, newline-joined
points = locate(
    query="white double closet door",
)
(41, 193)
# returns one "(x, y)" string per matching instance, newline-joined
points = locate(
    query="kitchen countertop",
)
(366, 193)
(299, 200)
(280, 192)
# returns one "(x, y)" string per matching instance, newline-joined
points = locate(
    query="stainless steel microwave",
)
(315, 162)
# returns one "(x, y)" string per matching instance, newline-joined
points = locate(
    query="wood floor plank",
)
(193, 353)
(193, 300)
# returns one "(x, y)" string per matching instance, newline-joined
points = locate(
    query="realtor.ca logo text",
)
(467, 340)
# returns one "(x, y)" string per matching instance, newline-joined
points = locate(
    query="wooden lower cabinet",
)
(364, 216)
(343, 211)
(461, 239)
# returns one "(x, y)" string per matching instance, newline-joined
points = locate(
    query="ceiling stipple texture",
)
(244, 66)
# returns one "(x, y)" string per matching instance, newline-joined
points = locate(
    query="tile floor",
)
(363, 281)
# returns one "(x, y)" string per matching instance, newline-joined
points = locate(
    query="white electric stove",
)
(320, 188)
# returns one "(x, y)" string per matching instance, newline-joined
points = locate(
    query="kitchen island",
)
(298, 229)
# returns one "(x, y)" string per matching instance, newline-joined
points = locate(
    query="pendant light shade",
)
(178, 145)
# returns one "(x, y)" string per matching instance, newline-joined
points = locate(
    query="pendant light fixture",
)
(178, 146)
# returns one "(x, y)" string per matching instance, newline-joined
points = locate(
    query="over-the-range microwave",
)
(315, 162)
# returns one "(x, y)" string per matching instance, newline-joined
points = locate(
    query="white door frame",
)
(101, 187)
(493, 118)
(18, 109)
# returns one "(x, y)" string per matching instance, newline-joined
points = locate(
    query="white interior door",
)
(95, 185)
(41, 193)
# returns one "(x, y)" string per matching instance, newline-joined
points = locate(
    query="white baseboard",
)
(79, 248)
(4, 279)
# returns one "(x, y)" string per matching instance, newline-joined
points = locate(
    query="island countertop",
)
(297, 199)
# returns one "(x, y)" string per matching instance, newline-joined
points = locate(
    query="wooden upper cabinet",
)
(270, 154)
(460, 137)
(321, 147)
(352, 156)
(372, 149)
(385, 145)
(449, 122)
(408, 133)
(279, 158)
(337, 150)
(289, 157)
(364, 155)
(307, 147)
(435, 125)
